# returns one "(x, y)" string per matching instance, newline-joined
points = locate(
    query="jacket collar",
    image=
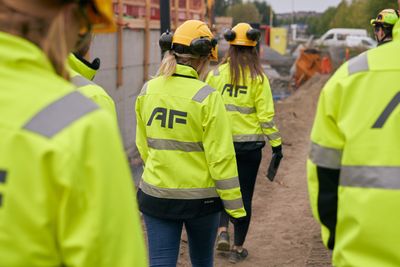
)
(184, 70)
(20, 52)
(80, 67)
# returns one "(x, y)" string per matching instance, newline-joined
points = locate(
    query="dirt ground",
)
(282, 232)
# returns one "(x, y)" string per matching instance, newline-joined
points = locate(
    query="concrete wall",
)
(105, 46)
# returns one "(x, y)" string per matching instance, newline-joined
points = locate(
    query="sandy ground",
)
(282, 232)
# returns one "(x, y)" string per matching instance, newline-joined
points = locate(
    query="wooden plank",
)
(146, 58)
(120, 44)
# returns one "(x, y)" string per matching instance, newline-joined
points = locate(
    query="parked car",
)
(338, 36)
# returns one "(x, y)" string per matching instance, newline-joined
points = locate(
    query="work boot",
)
(223, 241)
(236, 256)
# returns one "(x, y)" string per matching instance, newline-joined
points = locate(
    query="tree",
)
(265, 11)
(244, 13)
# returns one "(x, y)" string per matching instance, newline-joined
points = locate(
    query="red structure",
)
(181, 10)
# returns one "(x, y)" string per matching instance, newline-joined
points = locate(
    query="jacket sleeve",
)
(324, 162)
(99, 223)
(106, 103)
(265, 112)
(220, 155)
(141, 139)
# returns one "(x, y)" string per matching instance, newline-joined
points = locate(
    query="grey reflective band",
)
(386, 113)
(144, 90)
(59, 114)
(269, 124)
(175, 193)
(326, 157)
(203, 93)
(80, 81)
(228, 183)
(248, 138)
(166, 144)
(274, 136)
(358, 64)
(370, 177)
(216, 72)
(233, 204)
(243, 110)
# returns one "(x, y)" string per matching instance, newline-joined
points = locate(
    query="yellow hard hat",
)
(101, 15)
(387, 17)
(242, 34)
(194, 37)
(100, 12)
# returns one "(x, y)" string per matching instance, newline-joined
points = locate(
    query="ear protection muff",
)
(229, 35)
(253, 34)
(202, 46)
(165, 41)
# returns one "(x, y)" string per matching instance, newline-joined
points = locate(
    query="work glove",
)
(275, 161)
(236, 221)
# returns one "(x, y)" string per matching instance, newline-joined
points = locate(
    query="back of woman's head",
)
(53, 25)
(192, 44)
(242, 54)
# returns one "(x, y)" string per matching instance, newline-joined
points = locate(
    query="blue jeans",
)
(164, 238)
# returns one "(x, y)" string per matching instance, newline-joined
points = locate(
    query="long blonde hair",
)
(171, 59)
(49, 34)
(241, 58)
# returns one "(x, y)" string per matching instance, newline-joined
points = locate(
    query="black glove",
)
(236, 221)
(275, 161)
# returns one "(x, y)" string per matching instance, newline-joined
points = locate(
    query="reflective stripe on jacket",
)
(354, 163)
(184, 139)
(65, 185)
(250, 106)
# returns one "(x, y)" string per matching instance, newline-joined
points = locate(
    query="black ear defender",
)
(253, 34)
(229, 35)
(202, 46)
(165, 41)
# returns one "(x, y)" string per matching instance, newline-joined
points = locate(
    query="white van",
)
(360, 41)
(337, 36)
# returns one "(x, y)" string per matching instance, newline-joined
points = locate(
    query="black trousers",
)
(248, 163)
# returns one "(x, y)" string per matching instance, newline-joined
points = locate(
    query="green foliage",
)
(349, 14)
(265, 11)
(222, 5)
(247, 12)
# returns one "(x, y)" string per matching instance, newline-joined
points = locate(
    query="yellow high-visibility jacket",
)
(354, 162)
(80, 77)
(250, 106)
(66, 195)
(184, 138)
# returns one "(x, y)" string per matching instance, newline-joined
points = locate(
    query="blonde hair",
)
(171, 59)
(51, 35)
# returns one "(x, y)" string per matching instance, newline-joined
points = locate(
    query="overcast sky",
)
(285, 6)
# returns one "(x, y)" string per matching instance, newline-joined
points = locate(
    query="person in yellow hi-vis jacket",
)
(66, 193)
(183, 136)
(82, 73)
(354, 163)
(248, 99)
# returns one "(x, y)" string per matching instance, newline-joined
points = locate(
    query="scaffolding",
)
(136, 12)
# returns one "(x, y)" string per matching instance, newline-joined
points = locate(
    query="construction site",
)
(250, 133)
(283, 232)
